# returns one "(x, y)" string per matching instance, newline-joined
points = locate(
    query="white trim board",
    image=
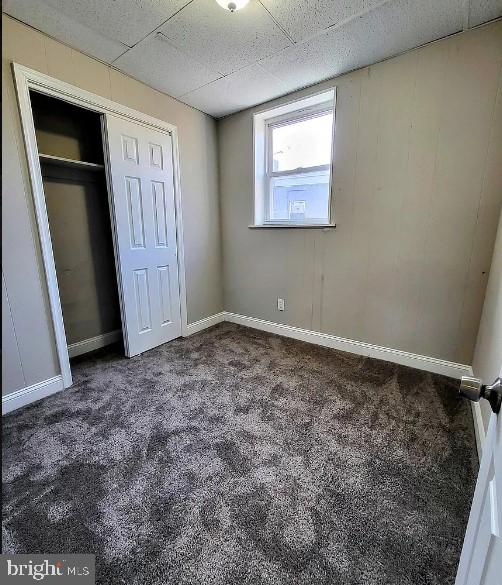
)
(30, 394)
(204, 324)
(421, 362)
(477, 419)
(37, 391)
(87, 345)
(479, 427)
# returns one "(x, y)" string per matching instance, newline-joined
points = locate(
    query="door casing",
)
(25, 80)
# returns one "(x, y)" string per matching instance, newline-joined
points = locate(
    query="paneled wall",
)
(23, 269)
(12, 369)
(416, 198)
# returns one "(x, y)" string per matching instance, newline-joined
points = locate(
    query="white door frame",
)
(28, 79)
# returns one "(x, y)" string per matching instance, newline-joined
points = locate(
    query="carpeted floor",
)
(238, 457)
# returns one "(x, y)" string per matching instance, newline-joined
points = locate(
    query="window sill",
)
(308, 226)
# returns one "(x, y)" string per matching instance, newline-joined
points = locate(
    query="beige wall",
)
(81, 234)
(417, 195)
(487, 363)
(26, 297)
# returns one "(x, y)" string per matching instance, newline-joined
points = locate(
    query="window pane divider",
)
(300, 171)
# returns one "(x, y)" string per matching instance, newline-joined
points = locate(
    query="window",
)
(293, 161)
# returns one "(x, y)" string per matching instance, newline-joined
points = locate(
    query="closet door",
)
(143, 213)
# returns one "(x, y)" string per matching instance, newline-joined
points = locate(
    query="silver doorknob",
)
(474, 389)
(471, 388)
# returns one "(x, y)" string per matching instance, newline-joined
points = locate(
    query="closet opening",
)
(70, 147)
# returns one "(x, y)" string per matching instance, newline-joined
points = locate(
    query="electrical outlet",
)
(280, 304)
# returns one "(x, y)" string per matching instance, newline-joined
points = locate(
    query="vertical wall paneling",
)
(12, 369)
(417, 193)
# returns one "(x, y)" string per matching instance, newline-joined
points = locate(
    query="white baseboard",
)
(204, 324)
(421, 362)
(93, 343)
(30, 394)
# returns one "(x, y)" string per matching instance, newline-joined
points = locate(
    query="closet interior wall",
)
(71, 155)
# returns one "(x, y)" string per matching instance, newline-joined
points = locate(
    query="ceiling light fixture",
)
(232, 5)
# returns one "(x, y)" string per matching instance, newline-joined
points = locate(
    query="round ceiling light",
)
(232, 5)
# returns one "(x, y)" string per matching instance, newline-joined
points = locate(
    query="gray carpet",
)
(239, 457)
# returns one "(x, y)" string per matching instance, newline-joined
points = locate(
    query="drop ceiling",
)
(220, 63)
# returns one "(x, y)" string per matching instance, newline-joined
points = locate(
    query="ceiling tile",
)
(54, 23)
(223, 40)
(303, 18)
(202, 41)
(382, 33)
(242, 89)
(126, 21)
(157, 63)
(484, 11)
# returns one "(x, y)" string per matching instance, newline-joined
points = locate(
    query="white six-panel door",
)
(143, 213)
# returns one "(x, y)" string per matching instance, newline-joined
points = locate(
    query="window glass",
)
(300, 197)
(302, 144)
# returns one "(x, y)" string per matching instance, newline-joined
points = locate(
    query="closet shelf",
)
(68, 162)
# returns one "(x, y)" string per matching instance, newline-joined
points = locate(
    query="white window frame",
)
(264, 124)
